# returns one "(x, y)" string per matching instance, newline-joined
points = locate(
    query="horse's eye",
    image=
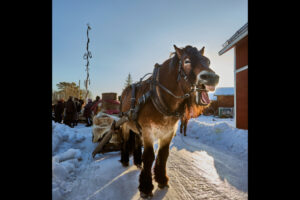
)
(187, 61)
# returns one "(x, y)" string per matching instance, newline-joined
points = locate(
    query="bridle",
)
(182, 75)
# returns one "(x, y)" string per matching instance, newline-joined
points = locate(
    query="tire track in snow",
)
(192, 185)
(191, 174)
(230, 166)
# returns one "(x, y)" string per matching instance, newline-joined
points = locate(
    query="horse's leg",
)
(185, 126)
(145, 179)
(137, 153)
(181, 124)
(125, 149)
(124, 154)
(160, 174)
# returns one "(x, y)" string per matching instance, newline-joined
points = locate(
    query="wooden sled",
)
(106, 131)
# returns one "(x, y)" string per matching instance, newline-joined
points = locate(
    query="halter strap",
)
(181, 73)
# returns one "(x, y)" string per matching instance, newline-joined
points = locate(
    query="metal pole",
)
(87, 56)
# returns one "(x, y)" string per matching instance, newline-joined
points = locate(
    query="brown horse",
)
(171, 84)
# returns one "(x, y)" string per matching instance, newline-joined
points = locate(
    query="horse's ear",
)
(178, 51)
(202, 51)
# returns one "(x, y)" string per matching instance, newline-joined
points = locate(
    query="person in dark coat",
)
(88, 112)
(70, 112)
(81, 103)
(59, 110)
(78, 110)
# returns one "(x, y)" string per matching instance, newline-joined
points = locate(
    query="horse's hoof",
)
(161, 186)
(125, 164)
(93, 154)
(145, 196)
(139, 166)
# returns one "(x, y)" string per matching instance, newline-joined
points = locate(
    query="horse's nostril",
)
(204, 76)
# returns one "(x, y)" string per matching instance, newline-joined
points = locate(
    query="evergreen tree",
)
(128, 81)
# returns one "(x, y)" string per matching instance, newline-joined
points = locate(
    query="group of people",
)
(68, 112)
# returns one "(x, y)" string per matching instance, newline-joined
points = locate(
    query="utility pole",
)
(86, 57)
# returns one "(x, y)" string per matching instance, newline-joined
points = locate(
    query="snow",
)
(220, 134)
(224, 91)
(211, 162)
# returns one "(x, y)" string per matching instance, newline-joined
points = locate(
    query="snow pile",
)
(63, 170)
(221, 135)
(67, 156)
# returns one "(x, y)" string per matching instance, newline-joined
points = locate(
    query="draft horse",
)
(160, 101)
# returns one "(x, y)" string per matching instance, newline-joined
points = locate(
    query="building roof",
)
(224, 91)
(240, 34)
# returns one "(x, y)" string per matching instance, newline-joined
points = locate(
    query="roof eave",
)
(232, 44)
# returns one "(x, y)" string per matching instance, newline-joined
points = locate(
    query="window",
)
(225, 112)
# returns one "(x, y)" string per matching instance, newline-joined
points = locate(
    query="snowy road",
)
(196, 170)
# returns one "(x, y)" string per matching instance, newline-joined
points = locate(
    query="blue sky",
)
(130, 36)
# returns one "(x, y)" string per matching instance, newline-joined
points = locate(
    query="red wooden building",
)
(239, 41)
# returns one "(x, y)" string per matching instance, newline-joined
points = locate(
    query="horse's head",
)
(196, 67)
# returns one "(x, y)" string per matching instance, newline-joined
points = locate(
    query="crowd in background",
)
(68, 112)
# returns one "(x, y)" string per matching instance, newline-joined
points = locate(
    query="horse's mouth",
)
(204, 98)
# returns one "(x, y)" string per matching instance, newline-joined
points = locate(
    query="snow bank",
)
(219, 134)
(71, 148)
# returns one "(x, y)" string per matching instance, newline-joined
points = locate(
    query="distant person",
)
(70, 112)
(59, 110)
(78, 109)
(81, 104)
(95, 106)
(88, 112)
